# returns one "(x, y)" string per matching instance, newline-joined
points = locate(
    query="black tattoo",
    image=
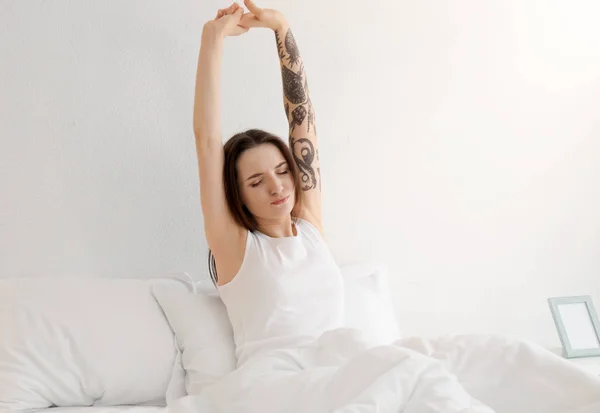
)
(304, 154)
(279, 45)
(292, 85)
(298, 116)
(292, 48)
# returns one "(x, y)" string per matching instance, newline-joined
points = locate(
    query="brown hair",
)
(233, 149)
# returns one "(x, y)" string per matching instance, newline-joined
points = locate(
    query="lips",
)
(280, 201)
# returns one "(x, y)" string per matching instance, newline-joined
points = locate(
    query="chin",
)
(282, 212)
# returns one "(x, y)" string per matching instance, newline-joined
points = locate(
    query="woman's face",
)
(266, 183)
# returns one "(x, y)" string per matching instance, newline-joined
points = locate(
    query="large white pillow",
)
(369, 306)
(82, 341)
(204, 337)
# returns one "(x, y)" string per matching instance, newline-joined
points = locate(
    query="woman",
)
(282, 289)
(262, 217)
(262, 202)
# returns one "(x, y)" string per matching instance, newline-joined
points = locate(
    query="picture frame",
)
(577, 324)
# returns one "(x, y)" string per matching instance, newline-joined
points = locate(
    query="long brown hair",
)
(233, 149)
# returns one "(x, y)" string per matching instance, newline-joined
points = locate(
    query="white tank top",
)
(288, 291)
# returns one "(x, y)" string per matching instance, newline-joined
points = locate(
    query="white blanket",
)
(466, 374)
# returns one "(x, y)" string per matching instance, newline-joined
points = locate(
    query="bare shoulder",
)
(229, 257)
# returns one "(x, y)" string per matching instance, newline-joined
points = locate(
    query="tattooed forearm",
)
(298, 109)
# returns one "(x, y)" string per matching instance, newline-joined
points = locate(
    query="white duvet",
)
(466, 373)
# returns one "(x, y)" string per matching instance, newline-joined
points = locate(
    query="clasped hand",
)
(232, 21)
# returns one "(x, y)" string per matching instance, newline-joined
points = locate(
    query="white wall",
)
(460, 144)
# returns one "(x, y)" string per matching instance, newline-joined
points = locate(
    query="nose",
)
(276, 186)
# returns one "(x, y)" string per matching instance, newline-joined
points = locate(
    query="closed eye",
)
(255, 184)
(283, 172)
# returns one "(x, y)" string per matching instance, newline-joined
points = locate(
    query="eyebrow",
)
(260, 173)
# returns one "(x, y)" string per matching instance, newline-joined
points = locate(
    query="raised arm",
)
(222, 233)
(297, 104)
(301, 117)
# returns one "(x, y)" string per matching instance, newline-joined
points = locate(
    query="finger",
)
(219, 14)
(231, 9)
(249, 20)
(253, 8)
(246, 19)
(238, 14)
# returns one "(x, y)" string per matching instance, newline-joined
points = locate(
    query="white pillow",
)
(81, 342)
(368, 306)
(204, 336)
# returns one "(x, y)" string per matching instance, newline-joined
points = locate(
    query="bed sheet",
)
(105, 409)
(452, 374)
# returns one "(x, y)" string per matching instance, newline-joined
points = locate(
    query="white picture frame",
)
(577, 324)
